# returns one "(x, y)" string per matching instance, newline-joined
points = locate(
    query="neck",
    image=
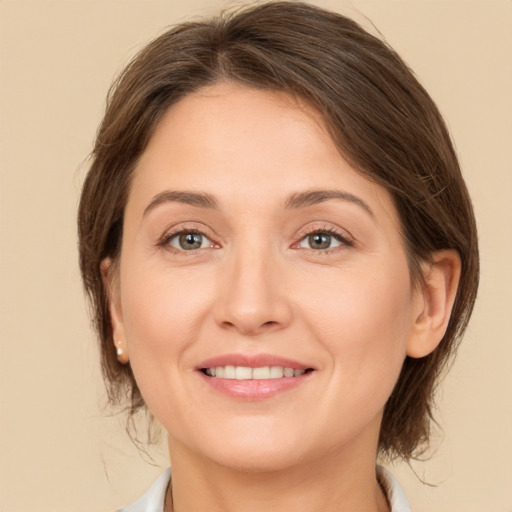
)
(330, 484)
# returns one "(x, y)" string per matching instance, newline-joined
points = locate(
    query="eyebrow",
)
(201, 200)
(298, 200)
(313, 197)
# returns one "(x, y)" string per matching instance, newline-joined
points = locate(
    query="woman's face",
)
(250, 246)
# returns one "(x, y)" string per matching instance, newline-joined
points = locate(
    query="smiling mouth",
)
(249, 373)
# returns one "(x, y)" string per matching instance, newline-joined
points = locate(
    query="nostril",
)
(250, 327)
(228, 325)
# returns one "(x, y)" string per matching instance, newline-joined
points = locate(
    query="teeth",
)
(247, 373)
(261, 373)
(243, 373)
(276, 372)
(229, 372)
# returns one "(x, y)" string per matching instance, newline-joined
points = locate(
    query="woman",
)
(281, 254)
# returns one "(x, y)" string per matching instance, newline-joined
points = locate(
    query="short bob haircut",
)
(379, 116)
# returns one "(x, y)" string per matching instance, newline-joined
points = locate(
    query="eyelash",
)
(343, 239)
(165, 240)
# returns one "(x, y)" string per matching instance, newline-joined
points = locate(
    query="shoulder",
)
(153, 500)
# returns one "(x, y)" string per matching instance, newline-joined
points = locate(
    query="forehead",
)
(236, 142)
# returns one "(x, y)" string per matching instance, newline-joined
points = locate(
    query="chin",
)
(250, 449)
(256, 459)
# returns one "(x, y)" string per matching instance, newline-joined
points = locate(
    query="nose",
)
(252, 297)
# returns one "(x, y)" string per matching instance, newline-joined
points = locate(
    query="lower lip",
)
(253, 389)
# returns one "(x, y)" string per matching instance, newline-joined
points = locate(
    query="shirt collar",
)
(153, 500)
(394, 493)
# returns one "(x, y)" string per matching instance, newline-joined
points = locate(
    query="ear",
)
(109, 274)
(434, 302)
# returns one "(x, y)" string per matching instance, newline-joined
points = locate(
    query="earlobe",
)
(111, 284)
(434, 301)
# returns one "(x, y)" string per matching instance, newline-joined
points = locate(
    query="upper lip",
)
(252, 361)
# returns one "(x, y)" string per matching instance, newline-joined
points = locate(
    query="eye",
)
(322, 240)
(189, 241)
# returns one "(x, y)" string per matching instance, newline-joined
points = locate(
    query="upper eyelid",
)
(186, 228)
(343, 234)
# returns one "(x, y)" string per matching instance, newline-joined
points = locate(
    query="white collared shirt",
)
(153, 500)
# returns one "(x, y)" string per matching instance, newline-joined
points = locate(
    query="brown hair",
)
(381, 118)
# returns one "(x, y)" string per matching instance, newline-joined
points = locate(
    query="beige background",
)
(59, 450)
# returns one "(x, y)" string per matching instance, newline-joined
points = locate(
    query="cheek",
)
(163, 314)
(362, 318)
(162, 311)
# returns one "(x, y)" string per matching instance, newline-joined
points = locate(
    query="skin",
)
(257, 285)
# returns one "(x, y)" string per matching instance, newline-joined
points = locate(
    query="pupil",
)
(320, 241)
(190, 240)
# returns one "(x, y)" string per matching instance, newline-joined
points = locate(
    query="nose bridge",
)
(252, 298)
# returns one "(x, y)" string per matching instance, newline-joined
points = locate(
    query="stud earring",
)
(119, 349)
